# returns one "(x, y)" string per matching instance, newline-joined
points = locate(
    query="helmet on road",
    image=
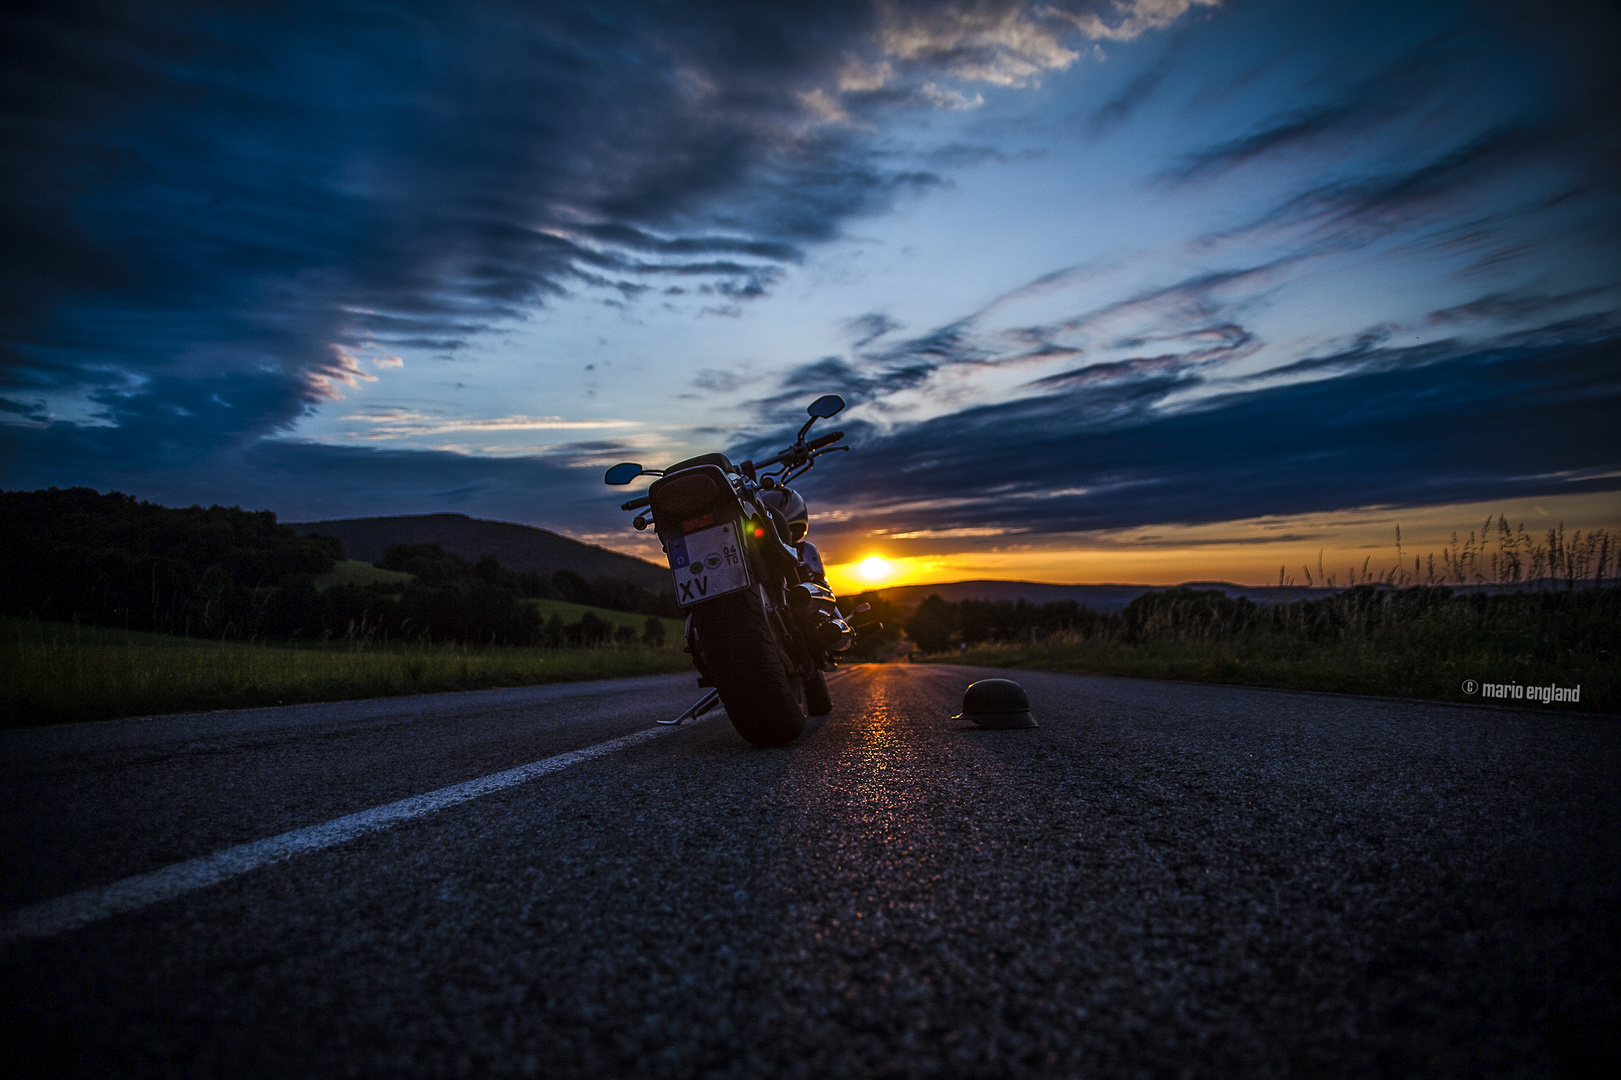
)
(996, 703)
(786, 501)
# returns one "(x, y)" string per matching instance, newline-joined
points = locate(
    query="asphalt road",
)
(1162, 880)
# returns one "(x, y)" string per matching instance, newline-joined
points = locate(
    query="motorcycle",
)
(763, 627)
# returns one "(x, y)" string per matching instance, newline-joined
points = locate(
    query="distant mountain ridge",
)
(518, 547)
(1102, 598)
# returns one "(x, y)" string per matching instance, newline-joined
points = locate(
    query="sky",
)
(1130, 290)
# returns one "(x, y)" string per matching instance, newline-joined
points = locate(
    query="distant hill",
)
(519, 547)
(1096, 597)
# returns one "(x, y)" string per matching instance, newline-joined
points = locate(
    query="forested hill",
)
(115, 560)
(518, 547)
(223, 572)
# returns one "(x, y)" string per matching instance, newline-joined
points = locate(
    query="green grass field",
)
(58, 672)
(355, 572)
(673, 628)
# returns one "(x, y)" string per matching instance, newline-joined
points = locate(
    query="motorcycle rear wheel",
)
(750, 668)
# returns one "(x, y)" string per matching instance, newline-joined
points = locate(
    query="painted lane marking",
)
(91, 905)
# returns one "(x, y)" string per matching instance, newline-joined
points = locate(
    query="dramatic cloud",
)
(1518, 305)
(404, 423)
(198, 191)
(1118, 109)
(1189, 319)
(1396, 88)
(193, 191)
(1394, 427)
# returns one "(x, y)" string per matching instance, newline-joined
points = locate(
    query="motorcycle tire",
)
(817, 700)
(750, 668)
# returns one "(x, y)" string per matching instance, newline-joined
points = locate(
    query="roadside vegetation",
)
(568, 616)
(1533, 613)
(60, 672)
(227, 574)
(116, 607)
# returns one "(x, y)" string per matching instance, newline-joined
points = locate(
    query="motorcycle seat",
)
(724, 462)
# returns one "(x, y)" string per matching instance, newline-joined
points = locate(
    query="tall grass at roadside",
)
(1531, 613)
(1520, 562)
(1402, 643)
(59, 672)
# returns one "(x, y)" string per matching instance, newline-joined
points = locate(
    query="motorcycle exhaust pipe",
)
(835, 635)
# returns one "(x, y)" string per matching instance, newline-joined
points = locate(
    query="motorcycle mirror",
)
(623, 473)
(825, 406)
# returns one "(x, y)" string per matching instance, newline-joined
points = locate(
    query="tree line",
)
(937, 623)
(113, 560)
(1579, 619)
(432, 565)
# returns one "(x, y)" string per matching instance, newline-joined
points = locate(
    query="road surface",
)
(1164, 879)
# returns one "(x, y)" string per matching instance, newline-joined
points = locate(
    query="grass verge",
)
(54, 673)
(1393, 665)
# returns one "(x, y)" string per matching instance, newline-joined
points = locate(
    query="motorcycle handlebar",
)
(793, 452)
(798, 452)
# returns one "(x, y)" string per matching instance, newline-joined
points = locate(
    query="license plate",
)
(708, 563)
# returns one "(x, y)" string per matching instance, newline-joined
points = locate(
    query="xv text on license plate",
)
(708, 563)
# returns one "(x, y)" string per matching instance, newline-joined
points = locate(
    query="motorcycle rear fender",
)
(703, 496)
(680, 504)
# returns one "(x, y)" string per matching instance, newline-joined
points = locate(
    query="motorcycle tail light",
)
(685, 496)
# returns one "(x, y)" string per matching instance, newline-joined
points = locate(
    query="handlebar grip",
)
(635, 503)
(831, 437)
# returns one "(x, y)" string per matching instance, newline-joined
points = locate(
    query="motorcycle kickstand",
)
(699, 707)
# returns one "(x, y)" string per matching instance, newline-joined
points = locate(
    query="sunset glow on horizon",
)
(1320, 548)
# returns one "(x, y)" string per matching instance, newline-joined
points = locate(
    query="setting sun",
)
(875, 569)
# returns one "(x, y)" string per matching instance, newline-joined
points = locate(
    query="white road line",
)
(81, 908)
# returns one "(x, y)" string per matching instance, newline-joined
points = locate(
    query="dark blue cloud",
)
(308, 481)
(1361, 208)
(1131, 97)
(1518, 304)
(1395, 88)
(199, 189)
(1529, 414)
(1497, 130)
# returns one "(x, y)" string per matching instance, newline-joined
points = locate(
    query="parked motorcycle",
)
(762, 625)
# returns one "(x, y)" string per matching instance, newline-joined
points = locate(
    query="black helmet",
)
(996, 703)
(786, 501)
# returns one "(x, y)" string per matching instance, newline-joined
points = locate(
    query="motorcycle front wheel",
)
(817, 700)
(746, 659)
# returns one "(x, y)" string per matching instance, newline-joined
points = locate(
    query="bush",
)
(933, 624)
